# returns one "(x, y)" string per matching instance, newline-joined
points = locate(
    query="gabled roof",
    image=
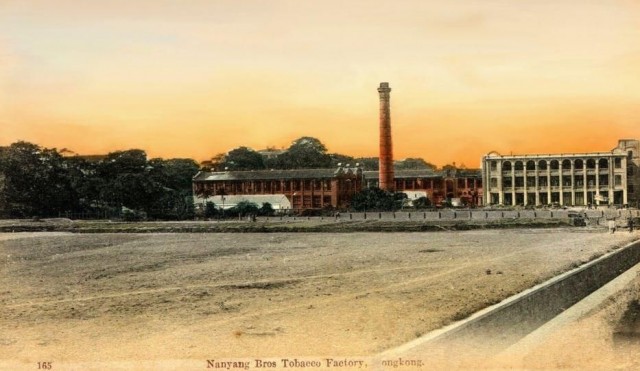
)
(428, 173)
(328, 174)
(270, 174)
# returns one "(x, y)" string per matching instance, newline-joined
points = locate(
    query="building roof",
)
(328, 174)
(493, 155)
(428, 173)
(272, 174)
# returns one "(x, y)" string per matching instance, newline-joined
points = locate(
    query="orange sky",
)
(199, 77)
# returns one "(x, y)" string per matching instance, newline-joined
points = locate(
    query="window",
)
(618, 180)
(494, 182)
(519, 165)
(531, 165)
(542, 165)
(617, 163)
(603, 180)
(603, 163)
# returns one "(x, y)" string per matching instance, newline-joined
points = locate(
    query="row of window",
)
(272, 186)
(438, 183)
(603, 163)
(554, 181)
(565, 198)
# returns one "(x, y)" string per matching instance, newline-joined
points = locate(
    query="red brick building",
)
(320, 188)
(304, 188)
(437, 185)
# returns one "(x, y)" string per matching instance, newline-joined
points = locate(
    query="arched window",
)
(566, 164)
(591, 163)
(579, 164)
(603, 163)
(506, 166)
(554, 164)
(542, 165)
(518, 165)
(531, 165)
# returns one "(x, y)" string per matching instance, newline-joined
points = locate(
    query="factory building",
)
(303, 189)
(568, 179)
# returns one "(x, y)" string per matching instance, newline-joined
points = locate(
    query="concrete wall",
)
(497, 327)
(461, 214)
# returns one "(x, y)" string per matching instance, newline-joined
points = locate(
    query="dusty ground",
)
(107, 297)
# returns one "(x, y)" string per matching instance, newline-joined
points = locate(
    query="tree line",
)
(44, 182)
(303, 153)
(38, 181)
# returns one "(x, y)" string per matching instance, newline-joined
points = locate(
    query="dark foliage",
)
(37, 181)
(373, 199)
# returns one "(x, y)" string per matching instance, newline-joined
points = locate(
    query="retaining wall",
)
(503, 324)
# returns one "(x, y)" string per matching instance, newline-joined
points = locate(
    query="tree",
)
(373, 199)
(369, 163)
(210, 210)
(305, 152)
(414, 164)
(242, 158)
(243, 208)
(132, 161)
(421, 203)
(36, 181)
(175, 173)
(337, 158)
(266, 209)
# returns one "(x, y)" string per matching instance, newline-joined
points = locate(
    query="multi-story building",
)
(304, 189)
(597, 178)
(438, 186)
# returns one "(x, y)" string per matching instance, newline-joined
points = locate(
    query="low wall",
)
(503, 324)
(463, 214)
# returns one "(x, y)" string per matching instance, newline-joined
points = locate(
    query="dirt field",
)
(108, 297)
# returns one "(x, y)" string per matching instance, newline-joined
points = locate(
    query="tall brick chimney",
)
(386, 178)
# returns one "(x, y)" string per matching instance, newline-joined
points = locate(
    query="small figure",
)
(630, 224)
(611, 223)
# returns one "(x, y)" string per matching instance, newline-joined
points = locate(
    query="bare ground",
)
(108, 297)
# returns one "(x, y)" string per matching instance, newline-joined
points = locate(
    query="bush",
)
(210, 210)
(266, 209)
(133, 215)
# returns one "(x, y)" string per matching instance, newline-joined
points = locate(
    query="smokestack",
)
(386, 178)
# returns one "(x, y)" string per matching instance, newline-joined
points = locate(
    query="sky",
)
(200, 77)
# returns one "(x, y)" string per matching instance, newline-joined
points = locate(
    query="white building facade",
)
(569, 179)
